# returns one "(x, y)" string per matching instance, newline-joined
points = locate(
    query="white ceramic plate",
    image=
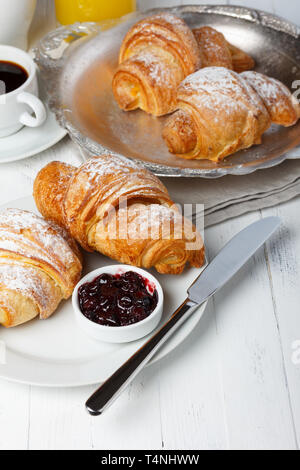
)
(56, 353)
(29, 141)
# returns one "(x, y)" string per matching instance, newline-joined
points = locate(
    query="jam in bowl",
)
(118, 303)
(117, 299)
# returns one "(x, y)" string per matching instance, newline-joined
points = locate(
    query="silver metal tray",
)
(78, 62)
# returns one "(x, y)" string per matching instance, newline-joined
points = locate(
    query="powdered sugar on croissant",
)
(156, 54)
(39, 266)
(215, 51)
(283, 107)
(122, 210)
(213, 47)
(221, 112)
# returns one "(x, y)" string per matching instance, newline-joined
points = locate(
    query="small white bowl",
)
(118, 334)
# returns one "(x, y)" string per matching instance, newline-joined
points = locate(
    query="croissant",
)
(213, 47)
(217, 52)
(219, 114)
(157, 53)
(39, 266)
(120, 209)
(282, 106)
(241, 61)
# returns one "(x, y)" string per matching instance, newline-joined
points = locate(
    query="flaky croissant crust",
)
(148, 81)
(216, 51)
(39, 266)
(221, 113)
(282, 106)
(156, 54)
(166, 32)
(93, 206)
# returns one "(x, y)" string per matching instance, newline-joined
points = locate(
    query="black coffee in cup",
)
(12, 76)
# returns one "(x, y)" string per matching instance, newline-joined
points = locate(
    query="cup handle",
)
(38, 108)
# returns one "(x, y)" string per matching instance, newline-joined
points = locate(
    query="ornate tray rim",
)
(53, 48)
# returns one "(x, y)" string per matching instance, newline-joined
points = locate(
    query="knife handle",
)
(116, 384)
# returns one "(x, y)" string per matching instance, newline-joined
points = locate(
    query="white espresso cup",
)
(20, 107)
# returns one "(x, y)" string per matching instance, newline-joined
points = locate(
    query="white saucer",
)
(29, 141)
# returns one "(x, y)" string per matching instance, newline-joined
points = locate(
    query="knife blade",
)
(231, 258)
(223, 267)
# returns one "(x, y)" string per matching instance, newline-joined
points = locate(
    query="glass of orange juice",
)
(70, 11)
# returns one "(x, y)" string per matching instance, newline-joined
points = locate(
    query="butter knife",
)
(223, 267)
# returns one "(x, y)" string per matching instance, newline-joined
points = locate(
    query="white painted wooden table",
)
(232, 385)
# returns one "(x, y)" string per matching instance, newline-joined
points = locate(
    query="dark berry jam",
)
(117, 300)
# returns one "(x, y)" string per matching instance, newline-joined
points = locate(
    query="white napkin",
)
(231, 196)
